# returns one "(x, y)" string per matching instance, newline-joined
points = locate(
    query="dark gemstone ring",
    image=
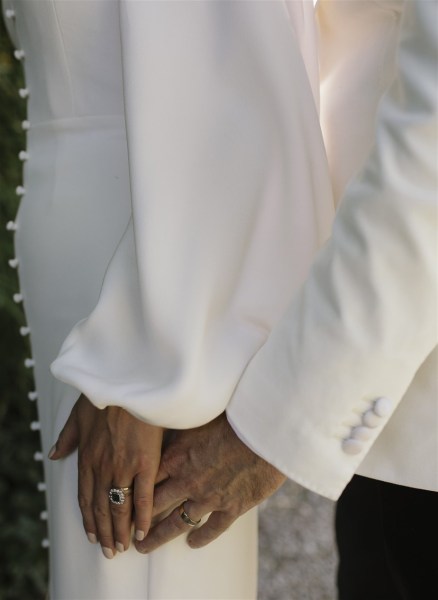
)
(118, 495)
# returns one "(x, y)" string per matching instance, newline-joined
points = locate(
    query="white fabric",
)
(364, 325)
(181, 139)
(230, 198)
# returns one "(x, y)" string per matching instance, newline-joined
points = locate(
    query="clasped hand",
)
(208, 469)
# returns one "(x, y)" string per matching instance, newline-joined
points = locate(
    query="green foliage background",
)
(23, 568)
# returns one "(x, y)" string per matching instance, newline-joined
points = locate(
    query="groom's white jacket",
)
(231, 199)
(347, 381)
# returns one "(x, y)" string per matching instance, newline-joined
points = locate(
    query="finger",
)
(169, 528)
(161, 475)
(167, 494)
(103, 516)
(122, 522)
(216, 525)
(143, 504)
(68, 439)
(85, 498)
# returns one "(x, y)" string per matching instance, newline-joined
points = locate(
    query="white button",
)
(45, 543)
(17, 298)
(370, 419)
(23, 92)
(41, 487)
(24, 331)
(11, 226)
(382, 406)
(19, 190)
(44, 515)
(23, 155)
(38, 456)
(25, 124)
(361, 433)
(10, 13)
(13, 263)
(35, 426)
(350, 446)
(29, 363)
(32, 396)
(19, 54)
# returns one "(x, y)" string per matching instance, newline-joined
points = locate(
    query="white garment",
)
(351, 368)
(188, 132)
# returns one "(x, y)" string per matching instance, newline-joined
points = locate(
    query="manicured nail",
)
(120, 547)
(52, 451)
(107, 552)
(139, 535)
(91, 538)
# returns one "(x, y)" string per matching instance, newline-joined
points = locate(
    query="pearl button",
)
(11, 226)
(24, 331)
(382, 406)
(19, 190)
(44, 515)
(10, 13)
(25, 124)
(370, 419)
(13, 263)
(29, 363)
(361, 433)
(41, 487)
(19, 54)
(350, 446)
(23, 92)
(45, 543)
(35, 426)
(32, 396)
(23, 155)
(38, 456)
(17, 298)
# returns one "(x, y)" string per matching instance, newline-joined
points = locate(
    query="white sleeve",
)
(365, 319)
(230, 201)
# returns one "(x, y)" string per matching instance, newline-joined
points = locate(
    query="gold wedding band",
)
(185, 517)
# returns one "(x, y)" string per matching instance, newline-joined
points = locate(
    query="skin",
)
(219, 474)
(114, 448)
(208, 468)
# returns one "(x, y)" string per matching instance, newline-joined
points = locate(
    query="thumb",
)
(68, 439)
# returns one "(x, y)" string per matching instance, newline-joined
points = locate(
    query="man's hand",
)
(213, 472)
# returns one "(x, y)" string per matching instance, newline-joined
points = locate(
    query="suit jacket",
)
(347, 380)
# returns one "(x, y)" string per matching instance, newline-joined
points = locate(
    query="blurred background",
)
(297, 555)
(23, 570)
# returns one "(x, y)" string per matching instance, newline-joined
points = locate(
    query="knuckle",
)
(84, 502)
(119, 510)
(143, 502)
(100, 511)
(173, 459)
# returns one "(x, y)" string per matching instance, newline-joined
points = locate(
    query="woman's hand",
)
(114, 450)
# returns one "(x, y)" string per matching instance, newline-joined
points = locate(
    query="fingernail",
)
(120, 547)
(91, 538)
(139, 535)
(107, 552)
(52, 451)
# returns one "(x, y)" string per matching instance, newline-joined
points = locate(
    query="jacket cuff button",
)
(351, 446)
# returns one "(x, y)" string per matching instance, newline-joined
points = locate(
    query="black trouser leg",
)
(387, 539)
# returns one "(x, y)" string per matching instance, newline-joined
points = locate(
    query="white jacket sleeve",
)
(337, 364)
(230, 201)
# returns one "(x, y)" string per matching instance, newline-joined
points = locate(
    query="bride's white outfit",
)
(175, 192)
